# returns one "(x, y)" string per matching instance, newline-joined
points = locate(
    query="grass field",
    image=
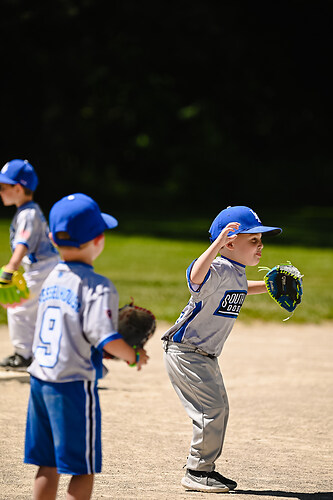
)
(152, 270)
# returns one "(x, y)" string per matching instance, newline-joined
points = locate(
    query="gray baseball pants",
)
(22, 319)
(199, 385)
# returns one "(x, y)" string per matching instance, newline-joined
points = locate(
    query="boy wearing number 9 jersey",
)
(77, 318)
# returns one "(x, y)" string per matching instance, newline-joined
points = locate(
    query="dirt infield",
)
(279, 442)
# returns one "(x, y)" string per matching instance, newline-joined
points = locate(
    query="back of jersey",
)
(77, 315)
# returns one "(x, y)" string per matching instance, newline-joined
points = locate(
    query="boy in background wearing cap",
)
(218, 287)
(77, 318)
(32, 249)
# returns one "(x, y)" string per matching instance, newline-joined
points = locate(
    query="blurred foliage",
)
(158, 104)
(152, 271)
(306, 225)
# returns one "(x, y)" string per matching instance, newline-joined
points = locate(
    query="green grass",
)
(152, 270)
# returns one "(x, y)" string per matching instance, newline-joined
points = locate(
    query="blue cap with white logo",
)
(19, 172)
(246, 217)
(80, 217)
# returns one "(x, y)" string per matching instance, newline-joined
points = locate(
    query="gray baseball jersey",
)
(77, 316)
(29, 227)
(209, 316)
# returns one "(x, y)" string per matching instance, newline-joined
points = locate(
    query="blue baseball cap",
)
(80, 217)
(246, 217)
(19, 172)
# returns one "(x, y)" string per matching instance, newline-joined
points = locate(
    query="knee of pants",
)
(210, 417)
(219, 413)
(221, 405)
(226, 411)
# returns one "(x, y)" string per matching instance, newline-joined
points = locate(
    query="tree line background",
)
(158, 108)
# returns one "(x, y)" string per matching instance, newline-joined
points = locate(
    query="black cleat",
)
(209, 482)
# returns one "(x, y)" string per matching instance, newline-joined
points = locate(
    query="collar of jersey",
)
(26, 204)
(234, 262)
(76, 263)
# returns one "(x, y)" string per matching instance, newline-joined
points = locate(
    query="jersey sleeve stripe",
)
(188, 274)
(21, 243)
(112, 337)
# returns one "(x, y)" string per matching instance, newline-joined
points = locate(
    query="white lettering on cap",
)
(256, 216)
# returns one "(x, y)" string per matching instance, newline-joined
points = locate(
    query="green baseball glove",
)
(13, 288)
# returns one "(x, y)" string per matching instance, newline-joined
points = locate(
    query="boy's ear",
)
(230, 245)
(98, 238)
(51, 238)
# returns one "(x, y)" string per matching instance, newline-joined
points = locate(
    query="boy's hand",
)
(143, 359)
(224, 237)
(284, 284)
(201, 266)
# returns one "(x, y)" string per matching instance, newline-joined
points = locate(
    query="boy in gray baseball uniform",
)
(218, 287)
(77, 318)
(32, 249)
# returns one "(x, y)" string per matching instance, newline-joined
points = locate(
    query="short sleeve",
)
(211, 282)
(27, 229)
(100, 317)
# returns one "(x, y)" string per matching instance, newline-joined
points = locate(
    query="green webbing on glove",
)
(284, 284)
(15, 291)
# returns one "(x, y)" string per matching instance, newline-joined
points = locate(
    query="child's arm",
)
(17, 256)
(13, 264)
(255, 287)
(202, 264)
(122, 350)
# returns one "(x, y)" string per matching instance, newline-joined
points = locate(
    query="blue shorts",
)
(64, 427)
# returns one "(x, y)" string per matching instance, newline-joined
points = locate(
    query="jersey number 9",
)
(47, 350)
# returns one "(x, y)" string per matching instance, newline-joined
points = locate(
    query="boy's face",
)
(247, 249)
(8, 194)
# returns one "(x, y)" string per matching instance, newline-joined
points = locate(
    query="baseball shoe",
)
(15, 362)
(209, 482)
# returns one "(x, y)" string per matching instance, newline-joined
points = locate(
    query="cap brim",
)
(268, 230)
(7, 180)
(110, 221)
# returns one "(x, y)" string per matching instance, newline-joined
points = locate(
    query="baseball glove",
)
(136, 325)
(13, 289)
(284, 285)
